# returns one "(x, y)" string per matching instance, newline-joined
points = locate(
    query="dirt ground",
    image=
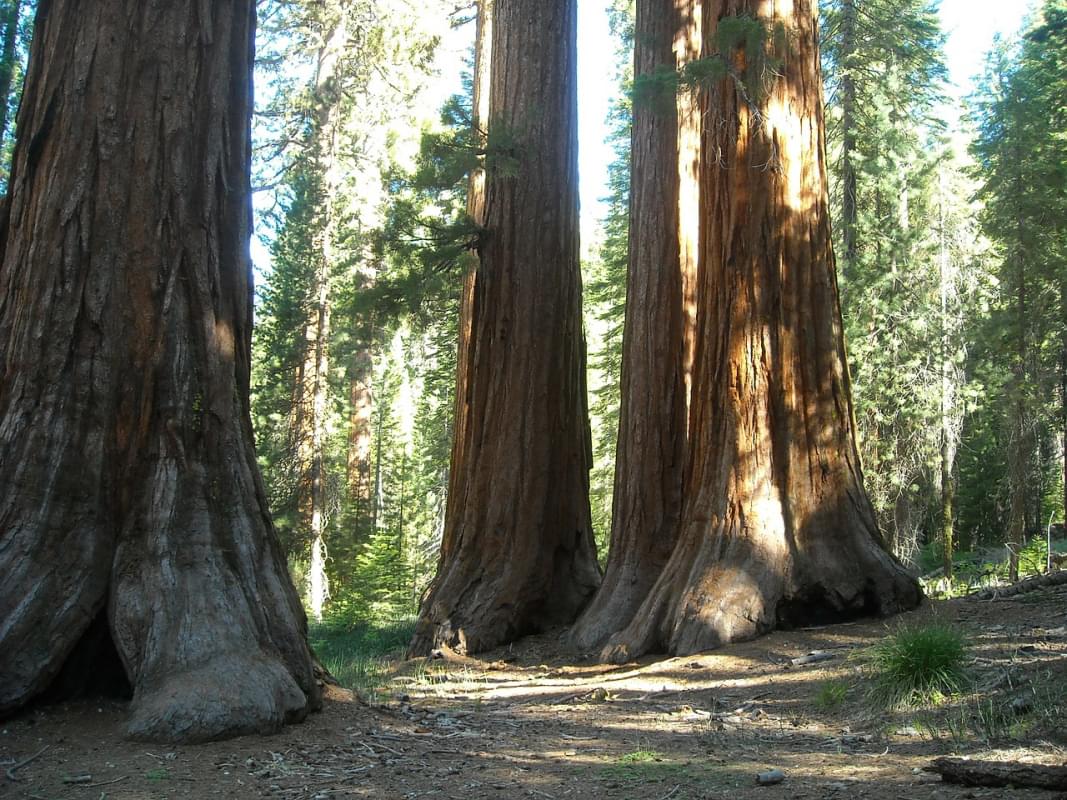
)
(522, 722)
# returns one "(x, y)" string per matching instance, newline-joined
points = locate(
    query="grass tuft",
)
(831, 694)
(917, 665)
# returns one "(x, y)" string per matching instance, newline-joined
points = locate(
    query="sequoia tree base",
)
(234, 695)
(724, 589)
(471, 613)
(614, 605)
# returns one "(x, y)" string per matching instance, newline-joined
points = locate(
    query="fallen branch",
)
(10, 771)
(999, 773)
(813, 657)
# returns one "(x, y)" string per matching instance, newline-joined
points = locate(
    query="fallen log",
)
(1028, 585)
(999, 773)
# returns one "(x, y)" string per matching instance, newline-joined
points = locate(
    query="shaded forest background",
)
(950, 233)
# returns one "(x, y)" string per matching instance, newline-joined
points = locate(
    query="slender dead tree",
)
(776, 527)
(129, 491)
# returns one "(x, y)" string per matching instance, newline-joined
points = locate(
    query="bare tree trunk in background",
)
(776, 527)
(519, 554)
(849, 188)
(10, 11)
(652, 421)
(128, 481)
(1063, 397)
(948, 391)
(1021, 444)
(360, 426)
(315, 393)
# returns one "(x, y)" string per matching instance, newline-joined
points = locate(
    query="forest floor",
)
(528, 722)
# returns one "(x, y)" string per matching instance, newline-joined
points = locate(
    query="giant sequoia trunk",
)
(518, 553)
(776, 528)
(652, 419)
(128, 481)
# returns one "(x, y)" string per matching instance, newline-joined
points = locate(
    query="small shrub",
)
(917, 665)
(640, 757)
(831, 694)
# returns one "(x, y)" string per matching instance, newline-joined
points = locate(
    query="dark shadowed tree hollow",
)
(650, 456)
(518, 554)
(129, 490)
(776, 527)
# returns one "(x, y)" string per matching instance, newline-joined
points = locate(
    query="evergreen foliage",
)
(331, 143)
(605, 291)
(1020, 152)
(907, 254)
(16, 28)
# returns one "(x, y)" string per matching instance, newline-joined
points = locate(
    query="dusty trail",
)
(521, 722)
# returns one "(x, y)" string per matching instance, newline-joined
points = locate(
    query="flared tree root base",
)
(233, 695)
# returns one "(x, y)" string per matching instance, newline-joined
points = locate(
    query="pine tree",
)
(16, 24)
(1020, 152)
(334, 136)
(884, 69)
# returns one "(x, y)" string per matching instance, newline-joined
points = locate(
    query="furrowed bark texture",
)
(776, 528)
(519, 553)
(652, 420)
(128, 479)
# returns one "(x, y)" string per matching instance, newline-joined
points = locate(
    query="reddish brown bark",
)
(360, 424)
(776, 528)
(128, 481)
(655, 363)
(483, 41)
(518, 552)
(687, 48)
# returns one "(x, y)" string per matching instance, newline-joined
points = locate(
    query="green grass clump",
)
(831, 694)
(917, 665)
(359, 654)
(640, 757)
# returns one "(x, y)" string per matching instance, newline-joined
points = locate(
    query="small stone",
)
(1022, 705)
(770, 777)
